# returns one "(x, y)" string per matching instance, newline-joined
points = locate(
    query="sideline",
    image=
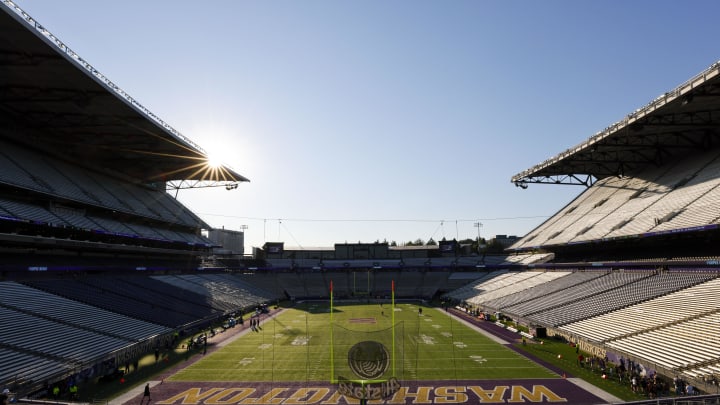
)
(138, 391)
(598, 392)
(471, 325)
(606, 396)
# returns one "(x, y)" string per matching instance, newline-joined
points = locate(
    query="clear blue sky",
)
(386, 120)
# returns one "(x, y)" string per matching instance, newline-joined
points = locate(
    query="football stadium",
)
(113, 292)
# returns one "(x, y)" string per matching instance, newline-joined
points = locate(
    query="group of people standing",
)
(255, 323)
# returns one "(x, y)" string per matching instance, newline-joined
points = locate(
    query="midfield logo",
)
(368, 360)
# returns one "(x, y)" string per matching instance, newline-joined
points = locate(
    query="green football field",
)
(304, 344)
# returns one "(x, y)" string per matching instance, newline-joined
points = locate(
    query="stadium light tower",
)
(478, 225)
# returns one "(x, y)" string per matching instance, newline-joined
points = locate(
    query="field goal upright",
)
(362, 283)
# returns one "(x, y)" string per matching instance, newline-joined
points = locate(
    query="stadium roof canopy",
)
(684, 119)
(52, 99)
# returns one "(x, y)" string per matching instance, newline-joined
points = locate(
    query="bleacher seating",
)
(600, 302)
(461, 284)
(510, 285)
(267, 281)
(315, 284)
(669, 346)
(113, 295)
(558, 299)
(527, 259)
(30, 212)
(223, 293)
(76, 345)
(86, 319)
(59, 216)
(565, 280)
(22, 367)
(85, 195)
(667, 309)
(461, 279)
(668, 197)
(667, 318)
(42, 304)
(418, 283)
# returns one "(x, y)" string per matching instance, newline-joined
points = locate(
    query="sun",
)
(214, 160)
(217, 154)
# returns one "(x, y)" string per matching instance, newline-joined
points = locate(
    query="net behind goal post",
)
(366, 356)
(363, 352)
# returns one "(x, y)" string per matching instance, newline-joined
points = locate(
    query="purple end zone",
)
(415, 392)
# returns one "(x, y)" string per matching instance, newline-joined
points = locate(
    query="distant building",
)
(351, 251)
(227, 242)
(505, 240)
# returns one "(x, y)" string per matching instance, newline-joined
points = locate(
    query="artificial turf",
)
(296, 345)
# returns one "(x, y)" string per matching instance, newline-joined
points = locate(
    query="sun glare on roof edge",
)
(214, 161)
(217, 155)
